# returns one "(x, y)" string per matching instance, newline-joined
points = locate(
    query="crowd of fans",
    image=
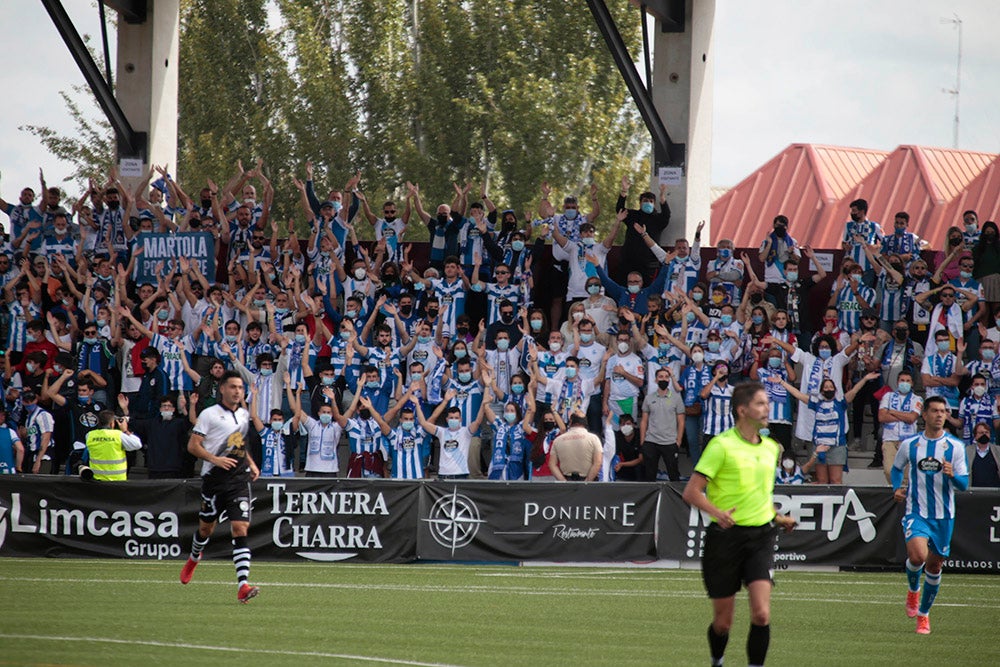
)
(471, 360)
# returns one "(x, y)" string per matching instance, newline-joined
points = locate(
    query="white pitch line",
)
(493, 590)
(227, 649)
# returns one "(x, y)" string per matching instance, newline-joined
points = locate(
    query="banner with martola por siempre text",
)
(157, 254)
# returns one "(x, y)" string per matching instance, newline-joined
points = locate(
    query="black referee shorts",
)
(735, 556)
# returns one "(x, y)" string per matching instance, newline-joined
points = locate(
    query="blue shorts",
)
(937, 532)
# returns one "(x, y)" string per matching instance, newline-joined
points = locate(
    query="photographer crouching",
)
(106, 447)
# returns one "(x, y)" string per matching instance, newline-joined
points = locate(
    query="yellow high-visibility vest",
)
(107, 456)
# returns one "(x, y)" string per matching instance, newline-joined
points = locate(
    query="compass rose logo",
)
(454, 521)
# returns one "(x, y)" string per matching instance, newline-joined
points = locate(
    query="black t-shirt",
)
(628, 451)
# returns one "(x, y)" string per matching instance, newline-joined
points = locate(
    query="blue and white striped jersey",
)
(869, 231)
(780, 407)
(718, 416)
(468, 398)
(830, 421)
(941, 366)
(170, 359)
(452, 298)
(973, 411)
(849, 308)
(892, 305)
(17, 336)
(495, 294)
(931, 494)
(407, 450)
(364, 435)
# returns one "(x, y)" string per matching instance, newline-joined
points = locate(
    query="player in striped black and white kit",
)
(937, 466)
(219, 439)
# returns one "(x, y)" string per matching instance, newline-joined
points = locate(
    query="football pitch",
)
(119, 612)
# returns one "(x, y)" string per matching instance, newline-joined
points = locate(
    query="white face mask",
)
(627, 429)
(698, 357)
(555, 347)
(622, 347)
(360, 273)
(788, 464)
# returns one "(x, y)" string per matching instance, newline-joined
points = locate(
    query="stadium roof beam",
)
(130, 142)
(667, 152)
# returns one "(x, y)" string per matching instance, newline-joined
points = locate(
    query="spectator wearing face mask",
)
(983, 458)
(661, 429)
(898, 412)
(164, 437)
(859, 233)
(941, 372)
(637, 256)
(628, 461)
(978, 407)
(775, 250)
(727, 271)
(900, 354)
(850, 296)
(947, 260)
(902, 242)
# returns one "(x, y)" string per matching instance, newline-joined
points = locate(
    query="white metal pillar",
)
(147, 78)
(681, 87)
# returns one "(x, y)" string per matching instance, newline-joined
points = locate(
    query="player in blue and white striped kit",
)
(936, 463)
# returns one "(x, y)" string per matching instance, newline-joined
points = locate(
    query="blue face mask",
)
(725, 253)
(536, 325)
(517, 388)
(327, 380)
(965, 274)
(570, 214)
(416, 377)
(423, 339)
(634, 289)
(593, 289)
(943, 345)
(757, 319)
(337, 206)
(277, 426)
(989, 355)
(646, 207)
(586, 337)
(588, 241)
(511, 417)
(453, 424)
(325, 418)
(503, 343)
(570, 372)
(517, 246)
(406, 425)
(345, 335)
(825, 353)
(373, 384)
(464, 377)
(689, 317)
(266, 371)
(230, 339)
(903, 387)
(774, 362)
(102, 323)
(726, 320)
(300, 338)
(792, 276)
(697, 296)
(90, 341)
(350, 314)
(162, 314)
(714, 345)
(259, 302)
(84, 399)
(461, 353)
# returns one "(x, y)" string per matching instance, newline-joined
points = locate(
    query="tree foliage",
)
(506, 92)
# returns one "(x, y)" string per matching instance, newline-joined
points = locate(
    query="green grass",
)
(138, 614)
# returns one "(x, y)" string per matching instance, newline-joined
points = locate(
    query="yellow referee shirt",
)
(741, 475)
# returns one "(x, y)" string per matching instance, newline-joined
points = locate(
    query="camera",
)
(86, 474)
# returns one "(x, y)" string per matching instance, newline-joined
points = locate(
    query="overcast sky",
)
(851, 73)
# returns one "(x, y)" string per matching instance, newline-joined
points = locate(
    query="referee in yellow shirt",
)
(734, 483)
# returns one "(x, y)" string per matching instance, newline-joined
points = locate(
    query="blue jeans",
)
(692, 432)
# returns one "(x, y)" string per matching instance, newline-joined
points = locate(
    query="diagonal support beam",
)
(667, 152)
(130, 142)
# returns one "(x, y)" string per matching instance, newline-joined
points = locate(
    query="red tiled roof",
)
(814, 185)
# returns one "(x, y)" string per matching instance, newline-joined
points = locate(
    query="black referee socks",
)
(758, 640)
(717, 644)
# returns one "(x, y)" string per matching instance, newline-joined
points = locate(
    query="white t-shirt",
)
(321, 452)
(224, 431)
(454, 458)
(620, 386)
